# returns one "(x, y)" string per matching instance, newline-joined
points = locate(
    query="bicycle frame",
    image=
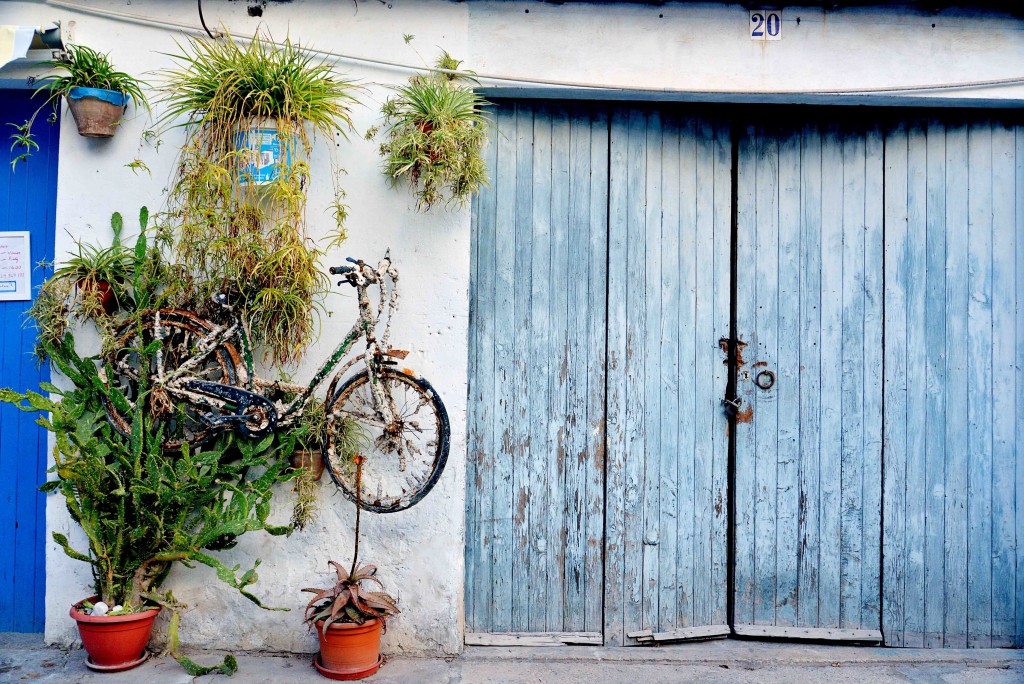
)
(365, 326)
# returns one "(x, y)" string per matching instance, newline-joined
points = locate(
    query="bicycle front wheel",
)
(402, 458)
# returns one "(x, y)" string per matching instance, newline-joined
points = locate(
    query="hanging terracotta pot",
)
(103, 292)
(309, 459)
(114, 643)
(97, 112)
(349, 651)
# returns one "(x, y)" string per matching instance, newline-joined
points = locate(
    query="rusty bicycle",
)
(202, 380)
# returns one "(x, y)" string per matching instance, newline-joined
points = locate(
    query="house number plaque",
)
(765, 24)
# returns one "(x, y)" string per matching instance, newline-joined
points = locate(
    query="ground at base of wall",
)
(25, 659)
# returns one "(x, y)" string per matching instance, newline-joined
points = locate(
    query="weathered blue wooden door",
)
(666, 564)
(954, 382)
(809, 431)
(27, 203)
(875, 276)
(535, 520)
(598, 297)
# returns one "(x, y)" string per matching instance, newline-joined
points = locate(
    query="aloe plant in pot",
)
(349, 616)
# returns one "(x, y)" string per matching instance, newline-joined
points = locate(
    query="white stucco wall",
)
(677, 46)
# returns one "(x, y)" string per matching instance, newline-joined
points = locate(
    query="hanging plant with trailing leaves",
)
(434, 131)
(236, 232)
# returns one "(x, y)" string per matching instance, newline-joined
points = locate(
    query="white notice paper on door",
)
(15, 267)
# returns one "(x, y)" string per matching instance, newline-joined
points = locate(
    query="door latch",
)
(732, 406)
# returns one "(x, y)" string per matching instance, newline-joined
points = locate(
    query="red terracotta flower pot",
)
(114, 642)
(103, 292)
(348, 650)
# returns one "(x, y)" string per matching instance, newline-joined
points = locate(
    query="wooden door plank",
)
(523, 584)
(874, 262)
(745, 483)
(558, 315)
(502, 551)
(597, 307)
(810, 376)
(1019, 356)
(895, 378)
(1006, 325)
(787, 383)
(680, 413)
(810, 634)
(533, 639)
(697, 330)
(648, 636)
(935, 370)
(979, 386)
(852, 380)
(615, 467)
(542, 528)
(479, 528)
(649, 344)
(720, 235)
(674, 577)
(764, 354)
(830, 424)
(636, 331)
(956, 387)
(916, 402)
(573, 451)
(17, 500)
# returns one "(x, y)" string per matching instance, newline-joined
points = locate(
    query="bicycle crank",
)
(253, 414)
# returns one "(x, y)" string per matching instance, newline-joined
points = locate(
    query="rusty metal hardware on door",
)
(765, 379)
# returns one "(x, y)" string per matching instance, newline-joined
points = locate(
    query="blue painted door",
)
(597, 444)
(808, 436)
(535, 520)
(953, 553)
(875, 491)
(666, 560)
(27, 203)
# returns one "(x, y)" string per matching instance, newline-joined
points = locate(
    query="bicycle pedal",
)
(397, 353)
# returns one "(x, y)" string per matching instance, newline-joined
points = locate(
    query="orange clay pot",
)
(114, 642)
(348, 650)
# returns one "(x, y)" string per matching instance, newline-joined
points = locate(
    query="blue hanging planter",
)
(266, 153)
(97, 112)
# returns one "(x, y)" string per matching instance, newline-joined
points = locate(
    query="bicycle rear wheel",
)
(403, 459)
(180, 331)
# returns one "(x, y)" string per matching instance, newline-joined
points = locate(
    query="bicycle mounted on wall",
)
(200, 385)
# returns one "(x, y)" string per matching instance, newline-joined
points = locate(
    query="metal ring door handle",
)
(765, 379)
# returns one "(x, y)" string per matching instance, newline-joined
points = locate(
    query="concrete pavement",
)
(25, 659)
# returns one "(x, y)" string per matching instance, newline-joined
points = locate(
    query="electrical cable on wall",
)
(544, 82)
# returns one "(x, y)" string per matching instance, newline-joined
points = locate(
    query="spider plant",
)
(244, 238)
(434, 130)
(83, 67)
(90, 284)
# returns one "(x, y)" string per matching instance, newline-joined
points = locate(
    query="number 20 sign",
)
(766, 24)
